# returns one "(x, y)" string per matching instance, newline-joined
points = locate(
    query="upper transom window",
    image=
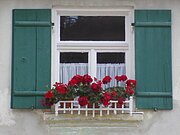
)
(92, 28)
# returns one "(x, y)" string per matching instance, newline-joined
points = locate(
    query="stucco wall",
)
(7, 117)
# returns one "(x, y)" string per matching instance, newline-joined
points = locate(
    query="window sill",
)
(120, 120)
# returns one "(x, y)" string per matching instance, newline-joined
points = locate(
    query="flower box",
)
(86, 90)
(75, 108)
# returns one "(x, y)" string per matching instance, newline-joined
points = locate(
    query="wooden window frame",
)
(92, 47)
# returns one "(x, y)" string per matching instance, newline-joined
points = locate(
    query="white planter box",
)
(73, 107)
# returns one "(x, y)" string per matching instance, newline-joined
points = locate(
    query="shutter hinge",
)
(155, 109)
(132, 24)
(32, 107)
(52, 27)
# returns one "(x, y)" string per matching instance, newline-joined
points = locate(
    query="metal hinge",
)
(32, 107)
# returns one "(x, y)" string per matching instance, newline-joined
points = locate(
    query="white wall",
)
(6, 7)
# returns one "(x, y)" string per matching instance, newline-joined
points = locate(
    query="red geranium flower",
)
(49, 94)
(105, 103)
(87, 79)
(118, 78)
(83, 100)
(121, 78)
(106, 98)
(72, 82)
(106, 79)
(131, 83)
(78, 78)
(61, 88)
(96, 87)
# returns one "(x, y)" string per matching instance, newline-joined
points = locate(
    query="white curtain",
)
(111, 70)
(68, 70)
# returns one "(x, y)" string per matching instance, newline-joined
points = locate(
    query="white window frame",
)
(92, 47)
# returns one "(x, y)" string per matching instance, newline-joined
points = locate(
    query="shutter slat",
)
(152, 24)
(43, 49)
(32, 23)
(154, 94)
(28, 93)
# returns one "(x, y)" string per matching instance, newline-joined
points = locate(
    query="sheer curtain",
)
(68, 70)
(111, 70)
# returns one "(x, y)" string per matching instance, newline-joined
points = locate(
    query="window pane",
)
(92, 28)
(72, 63)
(110, 64)
(73, 57)
(108, 57)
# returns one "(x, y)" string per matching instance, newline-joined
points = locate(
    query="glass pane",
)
(110, 64)
(111, 57)
(73, 57)
(72, 63)
(92, 28)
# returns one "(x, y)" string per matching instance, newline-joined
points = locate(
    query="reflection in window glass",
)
(92, 28)
(111, 57)
(73, 57)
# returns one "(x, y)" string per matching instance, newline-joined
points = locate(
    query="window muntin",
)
(92, 28)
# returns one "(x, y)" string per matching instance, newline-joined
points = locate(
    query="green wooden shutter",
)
(31, 57)
(153, 59)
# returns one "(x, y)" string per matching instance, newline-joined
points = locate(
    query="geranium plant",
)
(124, 89)
(89, 90)
(58, 92)
(86, 89)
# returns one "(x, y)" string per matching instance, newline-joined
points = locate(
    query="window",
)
(92, 28)
(92, 41)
